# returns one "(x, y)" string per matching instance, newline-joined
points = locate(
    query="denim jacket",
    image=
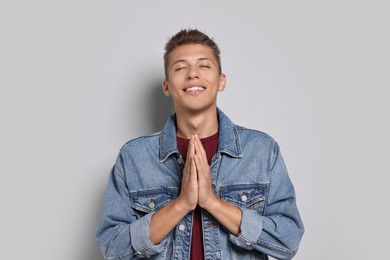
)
(247, 171)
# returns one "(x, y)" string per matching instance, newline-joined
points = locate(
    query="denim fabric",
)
(247, 171)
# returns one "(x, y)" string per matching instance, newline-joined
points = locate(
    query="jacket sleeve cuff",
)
(251, 227)
(140, 238)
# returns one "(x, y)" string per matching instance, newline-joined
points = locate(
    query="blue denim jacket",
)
(247, 171)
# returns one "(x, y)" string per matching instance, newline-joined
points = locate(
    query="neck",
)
(204, 124)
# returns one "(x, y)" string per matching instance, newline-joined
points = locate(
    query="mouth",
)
(194, 89)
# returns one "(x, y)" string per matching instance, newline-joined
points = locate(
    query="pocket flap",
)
(244, 195)
(152, 200)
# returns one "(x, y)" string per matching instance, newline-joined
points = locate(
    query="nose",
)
(192, 73)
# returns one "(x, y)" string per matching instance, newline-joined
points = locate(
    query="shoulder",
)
(257, 143)
(253, 134)
(256, 140)
(141, 142)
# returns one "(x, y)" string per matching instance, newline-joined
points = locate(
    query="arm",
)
(120, 232)
(279, 230)
(169, 216)
(226, 214)
(164, 220)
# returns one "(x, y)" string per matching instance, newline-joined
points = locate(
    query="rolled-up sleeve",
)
(251, 227)
(120, 233)
(140, 237)
(278, 231)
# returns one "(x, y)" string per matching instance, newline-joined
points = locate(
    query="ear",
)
(165, 88)
(222, 82)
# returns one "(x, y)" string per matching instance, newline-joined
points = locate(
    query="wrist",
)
(212, 203)
(181, 206)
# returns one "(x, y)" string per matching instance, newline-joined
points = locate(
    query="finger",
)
(200, 148)
(198, 165)
(191, 148)
(201, 153)
(193, 171)
(187, 167)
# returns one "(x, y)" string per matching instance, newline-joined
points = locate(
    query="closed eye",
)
(180, 68)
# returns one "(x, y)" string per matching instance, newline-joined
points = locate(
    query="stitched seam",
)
(280, 249)
(143, 250)
(120, 256)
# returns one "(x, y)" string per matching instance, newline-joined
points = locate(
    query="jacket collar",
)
(228, 141)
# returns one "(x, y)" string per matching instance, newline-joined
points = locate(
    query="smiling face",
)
(193, 78)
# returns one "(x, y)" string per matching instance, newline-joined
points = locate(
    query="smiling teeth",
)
(193, 89)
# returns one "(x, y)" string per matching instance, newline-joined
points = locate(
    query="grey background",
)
(80, 78)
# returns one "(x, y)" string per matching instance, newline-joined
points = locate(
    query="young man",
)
(202, 188)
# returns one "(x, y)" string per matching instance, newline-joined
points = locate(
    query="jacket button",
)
(181, 227)
(152, 205)
(180, 160)
(244, 197)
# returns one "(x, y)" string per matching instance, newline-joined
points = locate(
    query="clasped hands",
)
(196, 188)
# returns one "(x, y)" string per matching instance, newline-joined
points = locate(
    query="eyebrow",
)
(183, 60)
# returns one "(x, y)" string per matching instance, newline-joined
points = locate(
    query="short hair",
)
(190, 36)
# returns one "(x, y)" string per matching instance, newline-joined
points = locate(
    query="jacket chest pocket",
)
(251, 196)
(147, 201)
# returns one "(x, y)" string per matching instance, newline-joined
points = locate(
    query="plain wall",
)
(80, 78)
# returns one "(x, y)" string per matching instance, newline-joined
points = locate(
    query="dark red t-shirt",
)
(210, 144)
